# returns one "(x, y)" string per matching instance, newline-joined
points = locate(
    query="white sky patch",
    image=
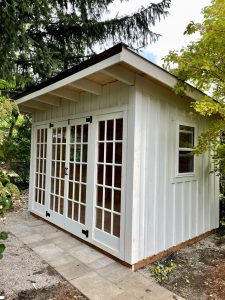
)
(171, 28)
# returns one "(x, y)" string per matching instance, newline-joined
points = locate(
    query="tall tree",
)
(202, 63)
(39, 38)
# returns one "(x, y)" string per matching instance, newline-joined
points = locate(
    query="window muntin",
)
(186, 143)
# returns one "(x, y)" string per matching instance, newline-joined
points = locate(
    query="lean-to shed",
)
(110, 157)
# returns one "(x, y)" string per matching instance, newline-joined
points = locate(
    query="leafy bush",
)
(4, 179)
(13, 190)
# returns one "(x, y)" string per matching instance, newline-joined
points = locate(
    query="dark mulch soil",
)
(200, 272)
(62, 291)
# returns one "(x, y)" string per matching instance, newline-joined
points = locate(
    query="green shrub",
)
(13, 190)
(4, 179)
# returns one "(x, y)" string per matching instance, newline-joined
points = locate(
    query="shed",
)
(110, 158)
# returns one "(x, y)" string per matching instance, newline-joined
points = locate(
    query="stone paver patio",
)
(97, 276)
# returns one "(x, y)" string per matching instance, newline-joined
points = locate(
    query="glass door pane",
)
(109, 176)
(77, 181)
(58, 170)
(40, 169)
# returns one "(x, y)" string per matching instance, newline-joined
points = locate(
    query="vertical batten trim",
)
(32, 168)
(190, 210)
(204, 204)
(182, 212)
(166, 176)
(196, 209)
(174, 212)
(143, 169)
(156, 131)
(129, 221)
(147, 184)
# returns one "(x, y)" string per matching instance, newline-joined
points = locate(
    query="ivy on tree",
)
(40, 38)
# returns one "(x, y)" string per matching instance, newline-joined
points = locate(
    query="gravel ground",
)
(200, 271)
(25, 276)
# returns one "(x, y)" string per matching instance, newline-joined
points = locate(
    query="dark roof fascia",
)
(83, 65)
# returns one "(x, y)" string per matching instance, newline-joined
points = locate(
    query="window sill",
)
(184, 178)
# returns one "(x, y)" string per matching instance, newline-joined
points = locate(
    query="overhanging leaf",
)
(3, 235)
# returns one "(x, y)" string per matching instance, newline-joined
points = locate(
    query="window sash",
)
(185, 163)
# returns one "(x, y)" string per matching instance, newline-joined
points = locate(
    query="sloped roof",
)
(117, 63)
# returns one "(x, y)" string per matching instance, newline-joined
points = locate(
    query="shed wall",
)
(169, 209)
(113, 95)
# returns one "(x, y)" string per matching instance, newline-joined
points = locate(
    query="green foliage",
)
(17, 137)
(202, 63)
(40, 38)
(162, 272)
(5, 204)
(4, 179)
(2, 249)
(13, 191)
(3, 235)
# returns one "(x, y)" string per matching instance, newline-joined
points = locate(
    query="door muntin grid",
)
(77, 181)
(109, 176)
(40, 169)
(58, 169)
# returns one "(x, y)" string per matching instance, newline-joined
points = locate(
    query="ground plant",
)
(161, 272)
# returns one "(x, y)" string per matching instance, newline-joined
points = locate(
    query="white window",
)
(186, 143)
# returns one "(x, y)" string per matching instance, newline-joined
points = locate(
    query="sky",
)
(171, 28)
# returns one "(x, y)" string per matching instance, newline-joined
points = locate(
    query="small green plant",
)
(5, 204)
(161, 272)
(3, 236)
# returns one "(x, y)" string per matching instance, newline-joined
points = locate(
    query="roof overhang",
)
(116, 64)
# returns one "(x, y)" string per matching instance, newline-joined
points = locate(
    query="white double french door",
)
(79, 178)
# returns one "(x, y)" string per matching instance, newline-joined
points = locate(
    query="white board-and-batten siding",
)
(167, 209)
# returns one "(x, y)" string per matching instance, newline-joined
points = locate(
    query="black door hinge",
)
(47, 214)
(89, 119)
(66, 171)
(85, 232)
(51, 125)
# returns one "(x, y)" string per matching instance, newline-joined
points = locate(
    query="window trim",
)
(186, 174)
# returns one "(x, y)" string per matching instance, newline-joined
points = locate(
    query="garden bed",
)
(199, 271)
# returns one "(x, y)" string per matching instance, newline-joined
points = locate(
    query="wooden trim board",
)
(160, 255)
(141, 263)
